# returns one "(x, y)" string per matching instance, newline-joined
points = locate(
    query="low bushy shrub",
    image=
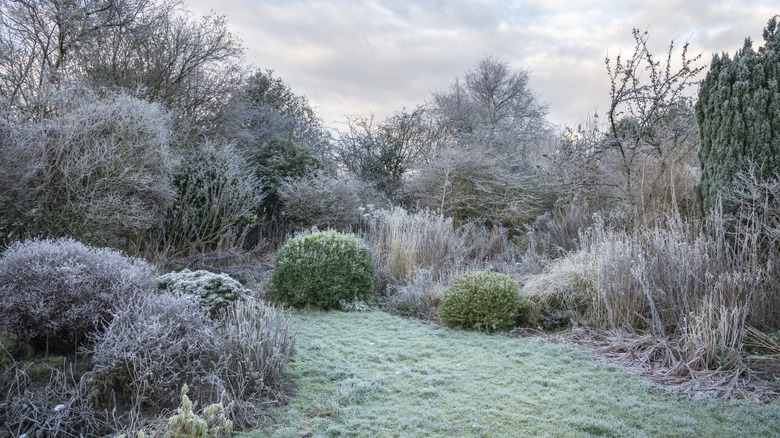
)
(53, 292)
(483, 300)
(154, 346)
(213, 292)
(322, 268)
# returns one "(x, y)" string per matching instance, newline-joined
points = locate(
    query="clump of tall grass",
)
(404, 243)
(690, 283)
(565, 290)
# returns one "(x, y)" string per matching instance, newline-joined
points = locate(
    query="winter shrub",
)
(213, 292)
(53, 292)
(406, 242)
(280, 160)
(62, 407)
(565, 290)
(99, 171)
(322, 201)
(474, 185)
(215, 192)
(322, 268)
(482, 300)
(419, 298)
(155, 345)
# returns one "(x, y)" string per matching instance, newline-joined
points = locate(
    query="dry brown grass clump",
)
(405, 243)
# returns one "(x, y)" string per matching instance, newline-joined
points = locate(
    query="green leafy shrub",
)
(54, 292)
(482, 300)
(213, 292)
(322, 268)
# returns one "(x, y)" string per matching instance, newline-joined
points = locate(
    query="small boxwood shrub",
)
(54, 292)
(213, 292)
(322, 268)
(483, 301)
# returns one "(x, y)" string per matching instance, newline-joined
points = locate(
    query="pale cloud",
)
(355, 57)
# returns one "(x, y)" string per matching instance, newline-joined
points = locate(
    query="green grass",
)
(376, 375)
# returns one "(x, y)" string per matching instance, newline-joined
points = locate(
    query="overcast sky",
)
(353, 57)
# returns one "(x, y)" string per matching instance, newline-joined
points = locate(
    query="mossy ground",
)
(372, 374)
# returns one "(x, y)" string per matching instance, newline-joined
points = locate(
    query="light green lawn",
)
(377, 375)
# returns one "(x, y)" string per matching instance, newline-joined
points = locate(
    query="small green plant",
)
(483, 301)
(187, 424)
(322, 268)
(214, 292)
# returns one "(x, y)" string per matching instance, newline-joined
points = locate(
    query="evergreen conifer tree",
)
(739, 114)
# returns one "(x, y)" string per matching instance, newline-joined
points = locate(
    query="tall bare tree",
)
(493, 105)
(152, 47)
(385, 153)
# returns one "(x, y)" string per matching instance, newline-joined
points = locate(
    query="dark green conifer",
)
(739, 114)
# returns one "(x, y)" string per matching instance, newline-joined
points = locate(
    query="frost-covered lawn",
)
(376, 375)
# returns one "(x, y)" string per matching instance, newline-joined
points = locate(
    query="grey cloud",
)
(352, 57)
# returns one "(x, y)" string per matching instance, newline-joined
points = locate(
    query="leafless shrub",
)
(756, 219)
(216, 195)
(404, 243)
(484, 244)
(53, 292)
(471, 184)
(154, 346)
(258, 343)
(322, 201)
(64, 408)
(99, 171)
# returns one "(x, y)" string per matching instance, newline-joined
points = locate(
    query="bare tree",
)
(643, 156)
(41, 40)
(151, 46)
(492, 105)
(384, 154)
(651, 126)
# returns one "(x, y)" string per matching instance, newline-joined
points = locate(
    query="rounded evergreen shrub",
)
(54, 292)
(213, 292)
(322, 268)
(483, 301)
